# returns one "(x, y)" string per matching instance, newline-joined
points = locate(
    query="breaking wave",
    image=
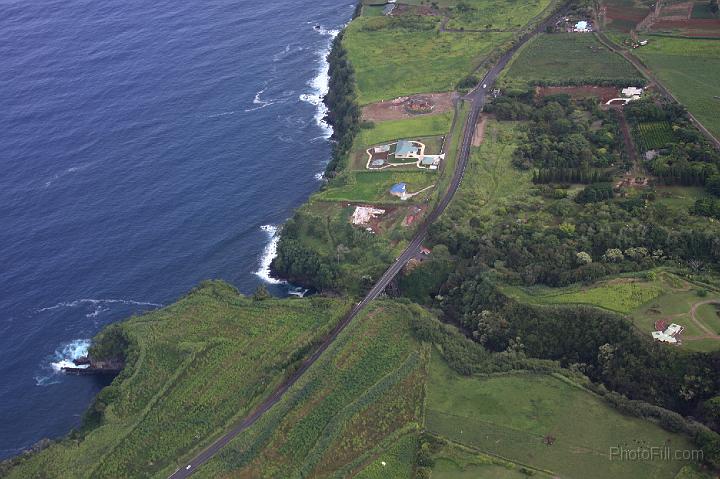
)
(63, 358)
(268, 255)
(320, 84)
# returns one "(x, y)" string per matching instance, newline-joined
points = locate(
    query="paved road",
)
(477, 100)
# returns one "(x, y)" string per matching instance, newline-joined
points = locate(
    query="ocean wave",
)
(320, 84)
(320, 176)
(225, 113)
(63, 358)
(97, 302)
(259, 101)
(268, 255)
(67, 171)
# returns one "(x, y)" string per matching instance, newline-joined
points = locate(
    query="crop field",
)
(652, 135)
(567, 58)
(689, 68)
(518, 411)
(200, 364)
(359, 404)
(393, 57)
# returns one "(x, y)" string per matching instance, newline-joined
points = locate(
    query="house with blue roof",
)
(399, 189)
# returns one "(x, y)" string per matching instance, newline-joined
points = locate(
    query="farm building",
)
(582, 27)
(670, 335)
(407, 149)
(632, 92)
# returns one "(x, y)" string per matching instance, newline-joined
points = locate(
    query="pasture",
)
(496, 14)
(394, 57)
(689, 68)
(567, 59)
(513, 416)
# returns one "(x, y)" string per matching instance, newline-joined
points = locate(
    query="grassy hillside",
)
(194, 367)
(689, 69)
(511, 415)
(568, 58)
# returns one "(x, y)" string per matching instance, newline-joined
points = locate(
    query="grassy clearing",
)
(517, 411)
(620, 295)
(689, 69)
(348, 410)
(708, 315)
(374, 186)
(564, 58)
(390, 62)
(426, 125)
(497, 14)
(490, 180)
(455, 461)
(654, 134)
(201, 363)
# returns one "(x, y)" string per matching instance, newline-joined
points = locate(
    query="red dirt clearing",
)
(397, 109)
(605, 93)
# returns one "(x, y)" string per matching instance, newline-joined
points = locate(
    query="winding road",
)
(477, 98)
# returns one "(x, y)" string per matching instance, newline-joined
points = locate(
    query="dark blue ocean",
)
(144, 147)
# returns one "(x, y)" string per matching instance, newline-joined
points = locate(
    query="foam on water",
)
(320, 84)
(63, 358)
(95, 302)
(269, 254)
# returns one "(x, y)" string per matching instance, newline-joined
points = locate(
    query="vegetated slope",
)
(192, 368)
(364, 394)
(569, 59)
(516, 415)
(690, 69)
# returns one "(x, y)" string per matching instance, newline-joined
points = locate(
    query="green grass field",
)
(510, 415)
(652, 135)
(497, 14)
(390, 62)
(374, 186)
(689, 69)
(455, 461)
(562, 57)
(490, 179)
(426, 125)
(622, 296)
(201, 363)
(351, 410)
